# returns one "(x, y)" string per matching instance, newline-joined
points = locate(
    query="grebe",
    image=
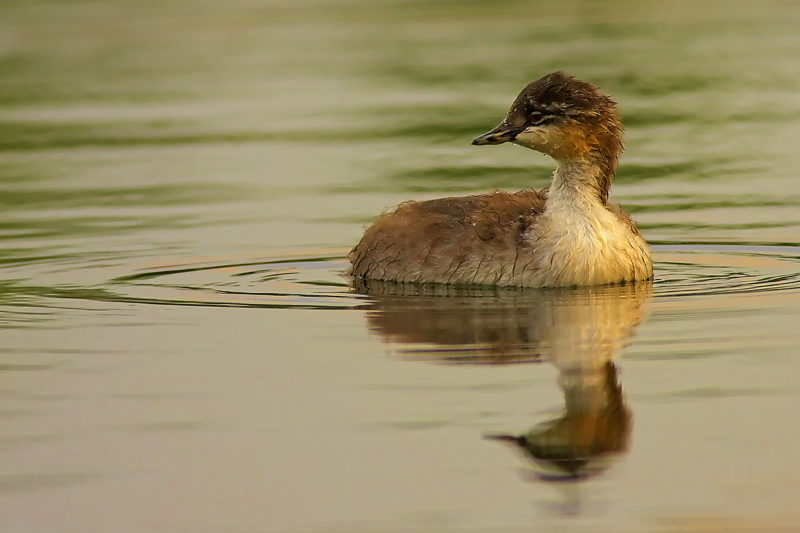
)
(564, 235)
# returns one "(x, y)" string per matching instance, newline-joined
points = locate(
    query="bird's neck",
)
(581, 184)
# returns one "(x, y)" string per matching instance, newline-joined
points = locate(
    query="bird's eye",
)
(537, 117)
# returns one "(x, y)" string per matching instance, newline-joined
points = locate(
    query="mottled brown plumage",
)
(566, 235)
(446, 237)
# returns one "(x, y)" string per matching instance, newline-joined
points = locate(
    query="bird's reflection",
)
(579, 330)
(582, 442)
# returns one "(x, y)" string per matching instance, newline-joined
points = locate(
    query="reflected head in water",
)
(566, 235)
(595, 427)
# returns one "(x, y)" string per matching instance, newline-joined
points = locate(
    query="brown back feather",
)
(417, 233)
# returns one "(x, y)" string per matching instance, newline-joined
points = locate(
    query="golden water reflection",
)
(584, 440)
(578, 330)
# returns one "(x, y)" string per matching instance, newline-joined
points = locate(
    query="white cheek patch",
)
(532, 137)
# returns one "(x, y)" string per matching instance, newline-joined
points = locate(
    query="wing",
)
(471, 239)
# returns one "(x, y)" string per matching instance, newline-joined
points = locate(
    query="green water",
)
(180, 182)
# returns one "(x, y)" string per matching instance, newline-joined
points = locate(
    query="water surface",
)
(181, 182)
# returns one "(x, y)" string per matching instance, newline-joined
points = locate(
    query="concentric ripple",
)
(302, 281)
(316, 280)
(714, 269)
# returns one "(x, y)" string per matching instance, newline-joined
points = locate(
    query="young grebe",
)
(564, 235)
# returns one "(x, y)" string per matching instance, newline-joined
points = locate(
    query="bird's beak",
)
(513, 439)
(501, 134)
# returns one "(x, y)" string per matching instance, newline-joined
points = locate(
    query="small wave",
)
(302, 281)
(695, 270)
(316, 280)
